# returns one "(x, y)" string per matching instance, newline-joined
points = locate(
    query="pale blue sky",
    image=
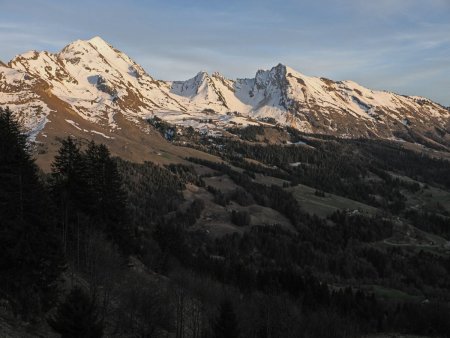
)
(398, 45)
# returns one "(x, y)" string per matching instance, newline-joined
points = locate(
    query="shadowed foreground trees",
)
(87, 186)
(30, 253)
(77, 317)
(226, 324)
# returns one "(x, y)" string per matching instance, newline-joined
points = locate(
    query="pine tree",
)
(68, 185)
(226, 324)
(108, 197)
(30, 253)
(67, 166)
(105, 183)
(77, 317)
(16, 167)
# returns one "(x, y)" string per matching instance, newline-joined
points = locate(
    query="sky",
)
(397, 45)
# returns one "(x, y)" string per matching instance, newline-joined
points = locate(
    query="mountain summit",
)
(93, 81)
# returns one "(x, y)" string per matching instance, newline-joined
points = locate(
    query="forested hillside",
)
(313, 236)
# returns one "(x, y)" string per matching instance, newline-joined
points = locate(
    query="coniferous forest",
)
(103, 247)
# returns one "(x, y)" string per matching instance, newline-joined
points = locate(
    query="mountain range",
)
(91, 88)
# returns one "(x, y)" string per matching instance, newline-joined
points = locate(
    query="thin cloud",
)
(382, 43)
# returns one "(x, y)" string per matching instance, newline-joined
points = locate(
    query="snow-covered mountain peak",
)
(77, 48)
(201, 76)
(98, 42)
(97, 81)
(96, 52)
(276, 76)
(191, 87)
(218, 75)
(84, 45)
(93, 79)
(280, 69)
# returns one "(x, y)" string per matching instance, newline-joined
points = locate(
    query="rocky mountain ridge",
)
(95, 82)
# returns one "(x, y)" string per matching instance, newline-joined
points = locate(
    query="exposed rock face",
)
(96, 82)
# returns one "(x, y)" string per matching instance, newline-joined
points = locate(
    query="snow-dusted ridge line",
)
(97, 82)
